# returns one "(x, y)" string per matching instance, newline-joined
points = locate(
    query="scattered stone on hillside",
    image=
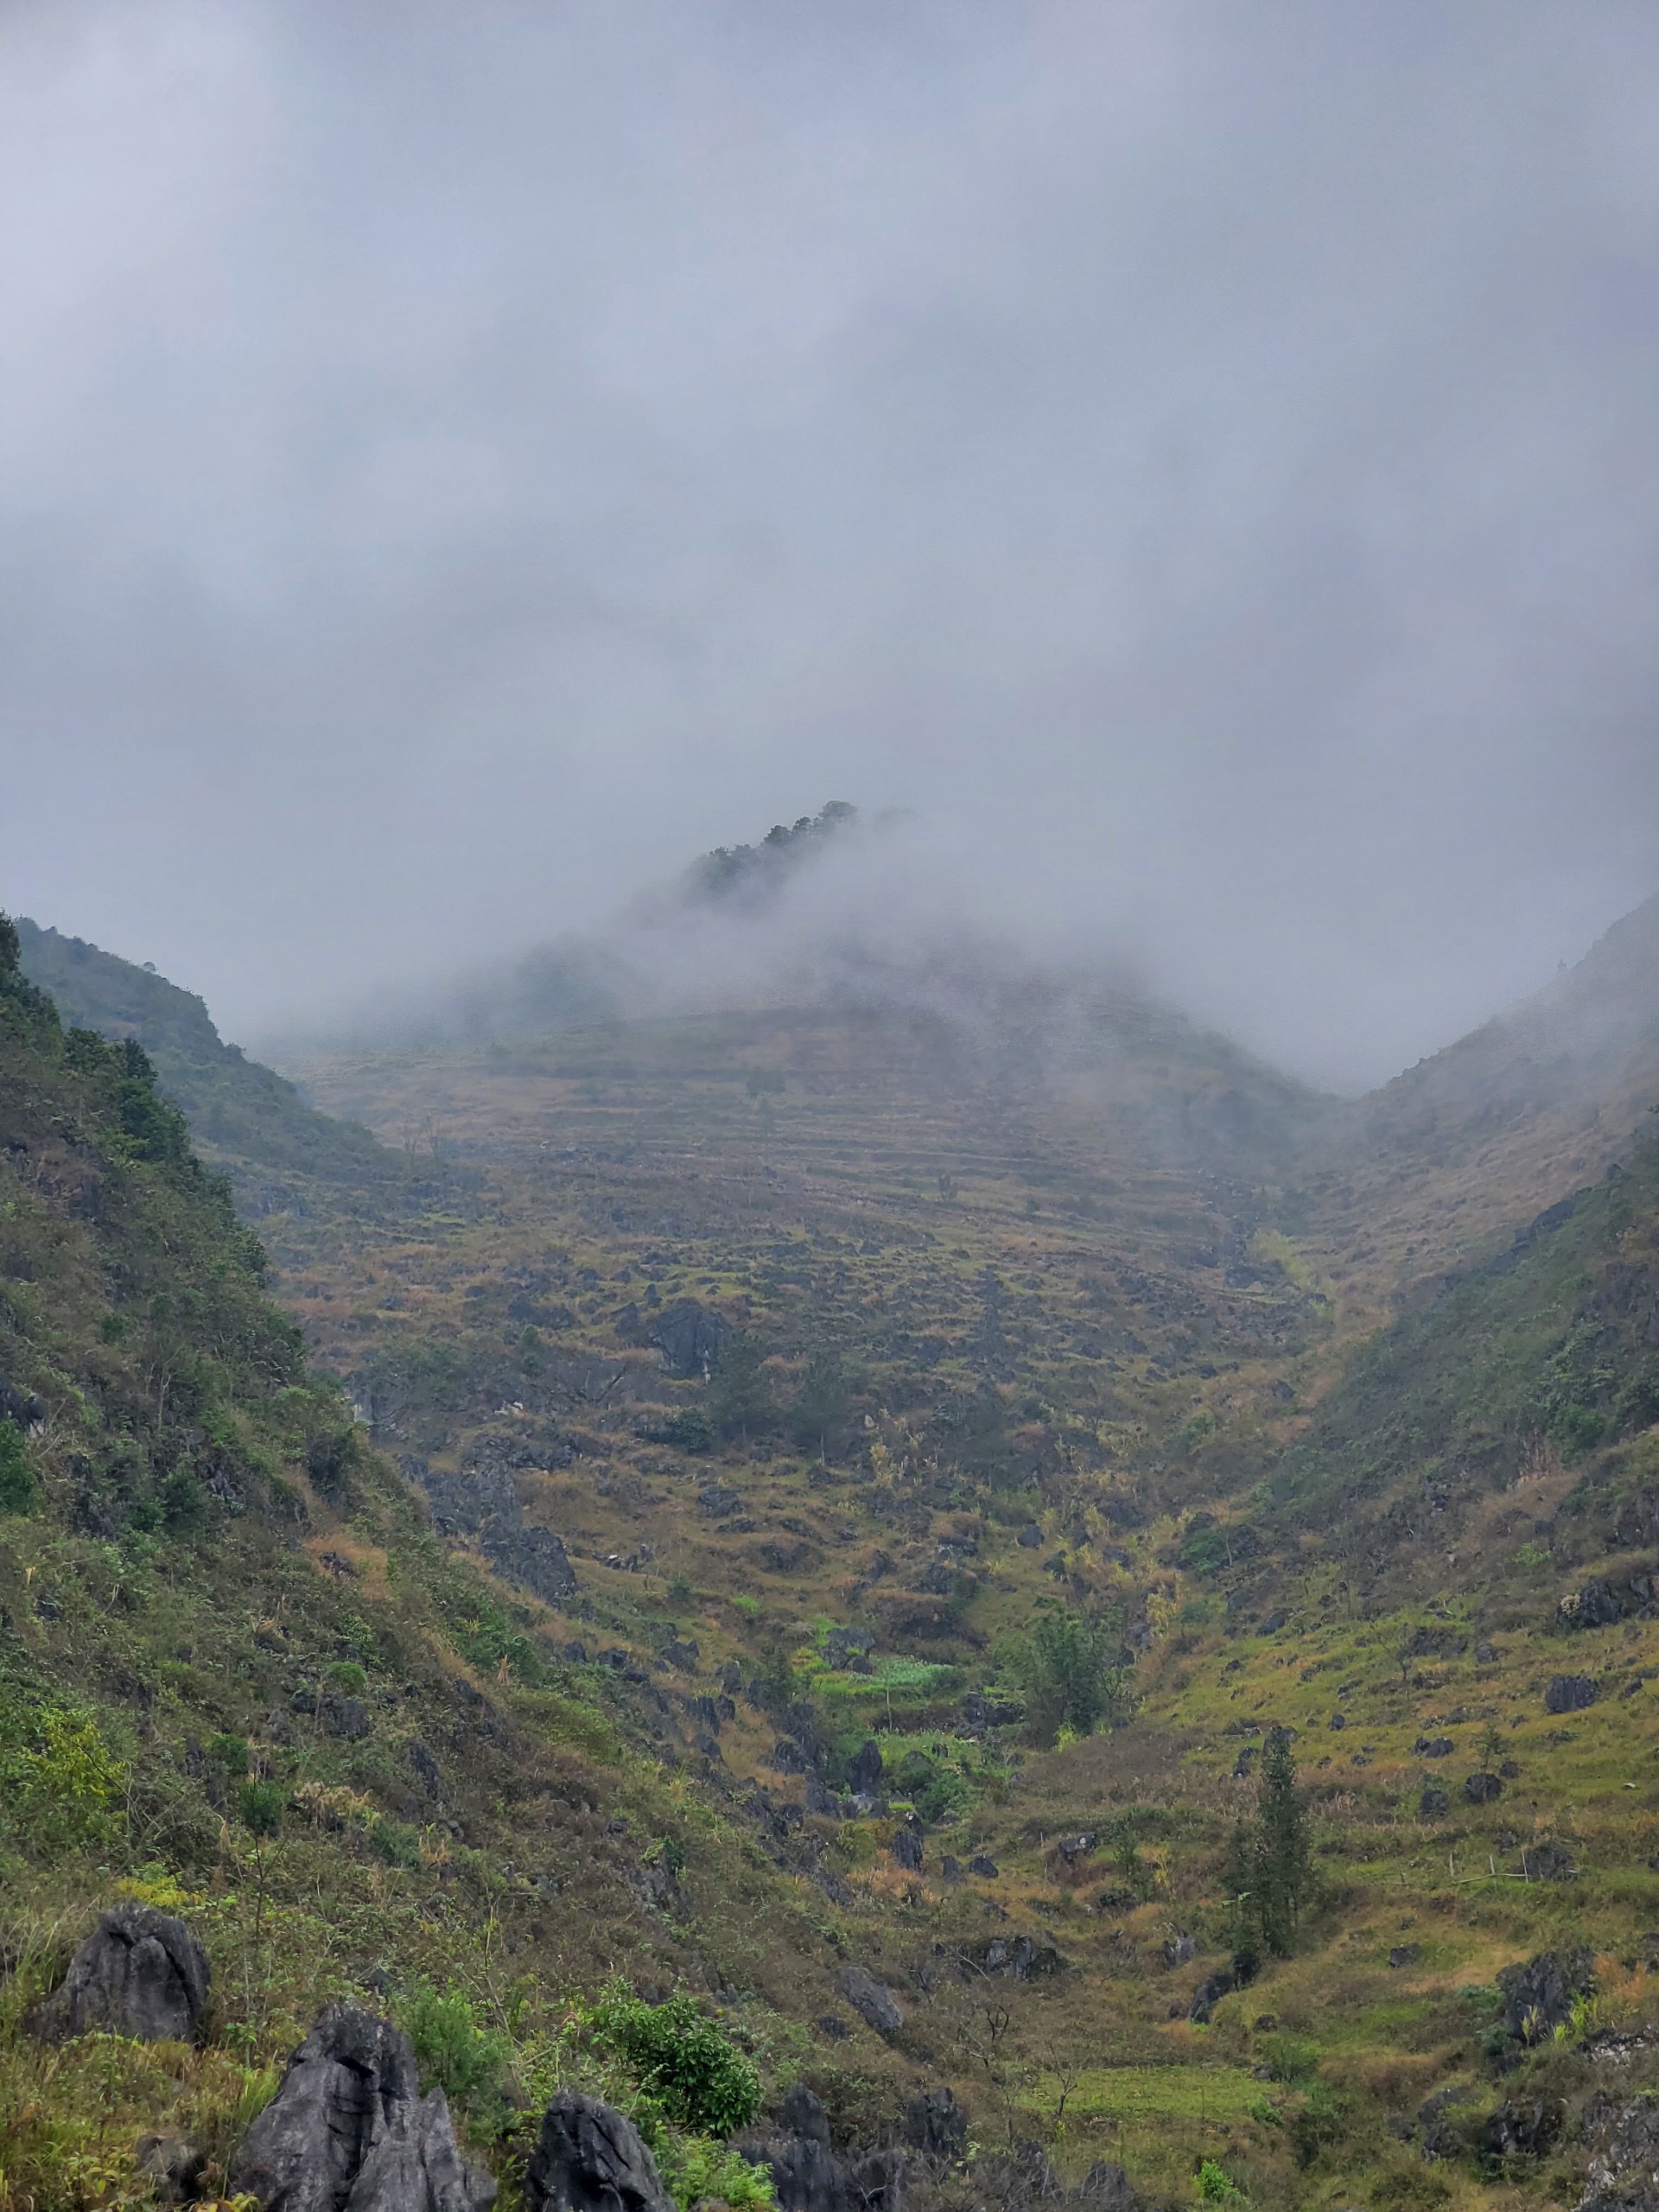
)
(1179, 1949)
(1598, 1606)
(141, 1975)
(689, 1336)
(426, 1769)
(1433, 1804)
(1624, 2138)
(1548, 1862)
(821, 1800)
(1570, 1693)
(1520, 2128)
(986, 1868)
(21, 1407)
(172, 2166)
(1405, 1954)
(936, 2126)
(1072, 1848)
(1510, 1770)
(347, 1718)
(1445, 2128)
(589, 2157)
(348, 2130)
(1021, 1958)
(904, 1848)
(865, 1769)
(1485, 1655)
(717, 1500)
(795, 2149)
(1244, 1764)
(1208, 1994)
(850, 1650)
(951, 1869)
(1433, 1747)
(1338, 1720)
(871, 2000)
(1273, 1622)
(788, 1757)
(1030, 1537)
(1538, 1995)
(1483, 1788)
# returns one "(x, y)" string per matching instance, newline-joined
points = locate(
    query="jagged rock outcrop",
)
(1624, 2138)
(348, 2130)
(141, 1973)
(871, 1999)
(1570, 1693)
(808, 2176)
(1538, 1996)
(589, 2157)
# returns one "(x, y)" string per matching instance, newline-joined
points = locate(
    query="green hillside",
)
(285, 1161)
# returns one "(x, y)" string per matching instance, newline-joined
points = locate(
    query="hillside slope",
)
(1442, 1164)
(240, 1678)
(284, 1160)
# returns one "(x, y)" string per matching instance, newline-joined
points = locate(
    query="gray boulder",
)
(871, 2000)
(141, 1975)
(1570, 1693)
(806, 2175)
(935, 2125)
(589, 2157)
(1548, 1862)
(1624, 2138)
(348, 2130)
(1483, 1788)
(864, 1773)
(1538, 1996)
(904, 1849)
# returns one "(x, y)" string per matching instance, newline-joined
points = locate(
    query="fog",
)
(455, 464)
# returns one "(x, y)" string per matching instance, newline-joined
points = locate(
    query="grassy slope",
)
(1150, 1345)
(287, 1162)
(202, 1563)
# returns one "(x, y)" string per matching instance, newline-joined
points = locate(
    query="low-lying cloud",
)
(1197, 459)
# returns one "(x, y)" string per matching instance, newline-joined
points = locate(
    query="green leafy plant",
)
(680, 2060)
(16, 1481)
(1074, 1672)
(1216, 2186)
(457, 2053)
(60, 1785)
(259, 1807)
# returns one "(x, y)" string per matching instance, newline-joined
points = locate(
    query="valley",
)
(841, 1495)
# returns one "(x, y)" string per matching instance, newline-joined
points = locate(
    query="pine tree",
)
(1239, 1880)
(1284, 1865)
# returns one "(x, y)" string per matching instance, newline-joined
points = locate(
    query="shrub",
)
(680, 2061)
(461, 2058)
(259, 1808)
(1217, 2185)
(689, 1431)
(698, 2171)
(16, 1482)
(347, 1677)
(1074, 1672)
(59, 1783)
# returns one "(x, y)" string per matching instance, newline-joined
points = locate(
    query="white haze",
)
(456, 464)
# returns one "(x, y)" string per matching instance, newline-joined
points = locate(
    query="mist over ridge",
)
(1196, 464)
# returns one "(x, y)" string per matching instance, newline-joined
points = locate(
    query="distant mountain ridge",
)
(247, 1121)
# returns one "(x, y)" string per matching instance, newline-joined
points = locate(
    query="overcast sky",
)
(456, 462)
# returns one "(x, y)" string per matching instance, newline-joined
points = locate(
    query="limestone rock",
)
(871, 2000)
(348, 2130)
(1570, 1693)
(590, 2158)
(141, 1973)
